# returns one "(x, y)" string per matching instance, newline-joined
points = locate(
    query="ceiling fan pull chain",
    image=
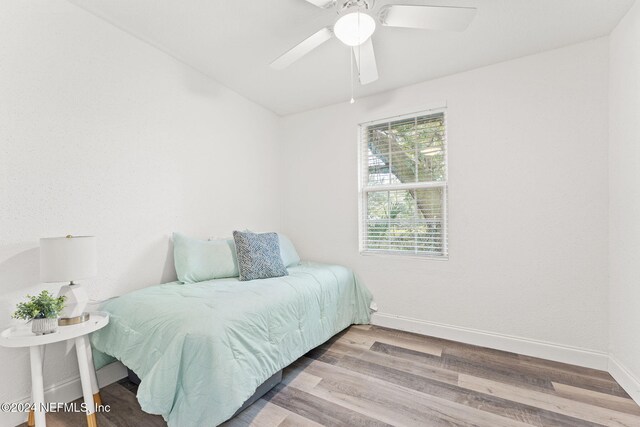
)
(351, 57)
(351, 77)
(359, 45)
(351, 54)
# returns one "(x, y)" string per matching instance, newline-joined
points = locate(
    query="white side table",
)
(23, 337)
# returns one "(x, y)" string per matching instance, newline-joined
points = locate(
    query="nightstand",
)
(23, 337)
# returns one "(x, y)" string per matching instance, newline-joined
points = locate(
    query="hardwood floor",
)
(372, 376)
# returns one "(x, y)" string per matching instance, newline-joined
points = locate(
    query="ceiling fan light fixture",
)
(354, 28)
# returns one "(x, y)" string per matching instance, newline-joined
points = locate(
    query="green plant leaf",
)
(41, 306)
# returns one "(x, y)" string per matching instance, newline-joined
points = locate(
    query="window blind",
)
(403, 185)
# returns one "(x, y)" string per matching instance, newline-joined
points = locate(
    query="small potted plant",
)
(42, 311)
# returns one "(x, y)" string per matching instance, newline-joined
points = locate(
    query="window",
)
(403, 185)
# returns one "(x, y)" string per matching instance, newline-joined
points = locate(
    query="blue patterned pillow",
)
(258, 255)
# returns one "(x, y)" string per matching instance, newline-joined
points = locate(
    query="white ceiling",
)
(234, 41)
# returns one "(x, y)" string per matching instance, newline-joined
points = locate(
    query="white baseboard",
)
(67, 391)
(545, 350)
(625, 378)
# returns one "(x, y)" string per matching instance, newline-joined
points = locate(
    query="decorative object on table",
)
(67, 259)
(42, 311)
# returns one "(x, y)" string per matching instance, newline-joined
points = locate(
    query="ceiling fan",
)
(357, 23)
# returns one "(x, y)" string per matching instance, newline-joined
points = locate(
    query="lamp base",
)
(75, 301)
(68, 321)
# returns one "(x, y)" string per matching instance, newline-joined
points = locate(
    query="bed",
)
(202, 349)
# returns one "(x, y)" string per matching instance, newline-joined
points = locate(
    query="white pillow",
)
(288, 252)
(201, 260)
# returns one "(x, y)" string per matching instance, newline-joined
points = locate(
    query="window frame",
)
(364, 189)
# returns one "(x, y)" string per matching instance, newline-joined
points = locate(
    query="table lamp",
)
(67, 259)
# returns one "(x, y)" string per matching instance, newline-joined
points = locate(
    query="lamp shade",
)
(65, 259)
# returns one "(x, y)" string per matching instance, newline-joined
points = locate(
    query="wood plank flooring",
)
(372, 376)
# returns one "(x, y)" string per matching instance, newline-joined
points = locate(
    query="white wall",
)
(624, 201)
(528, 239)
(102, 134)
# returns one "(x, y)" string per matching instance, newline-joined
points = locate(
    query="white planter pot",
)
(44, 326)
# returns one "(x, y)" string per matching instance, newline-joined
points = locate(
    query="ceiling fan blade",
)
(322, 3)
(366, 62)
(427, 17)
(301, 49)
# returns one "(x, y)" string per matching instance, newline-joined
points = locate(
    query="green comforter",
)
(201, 349)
